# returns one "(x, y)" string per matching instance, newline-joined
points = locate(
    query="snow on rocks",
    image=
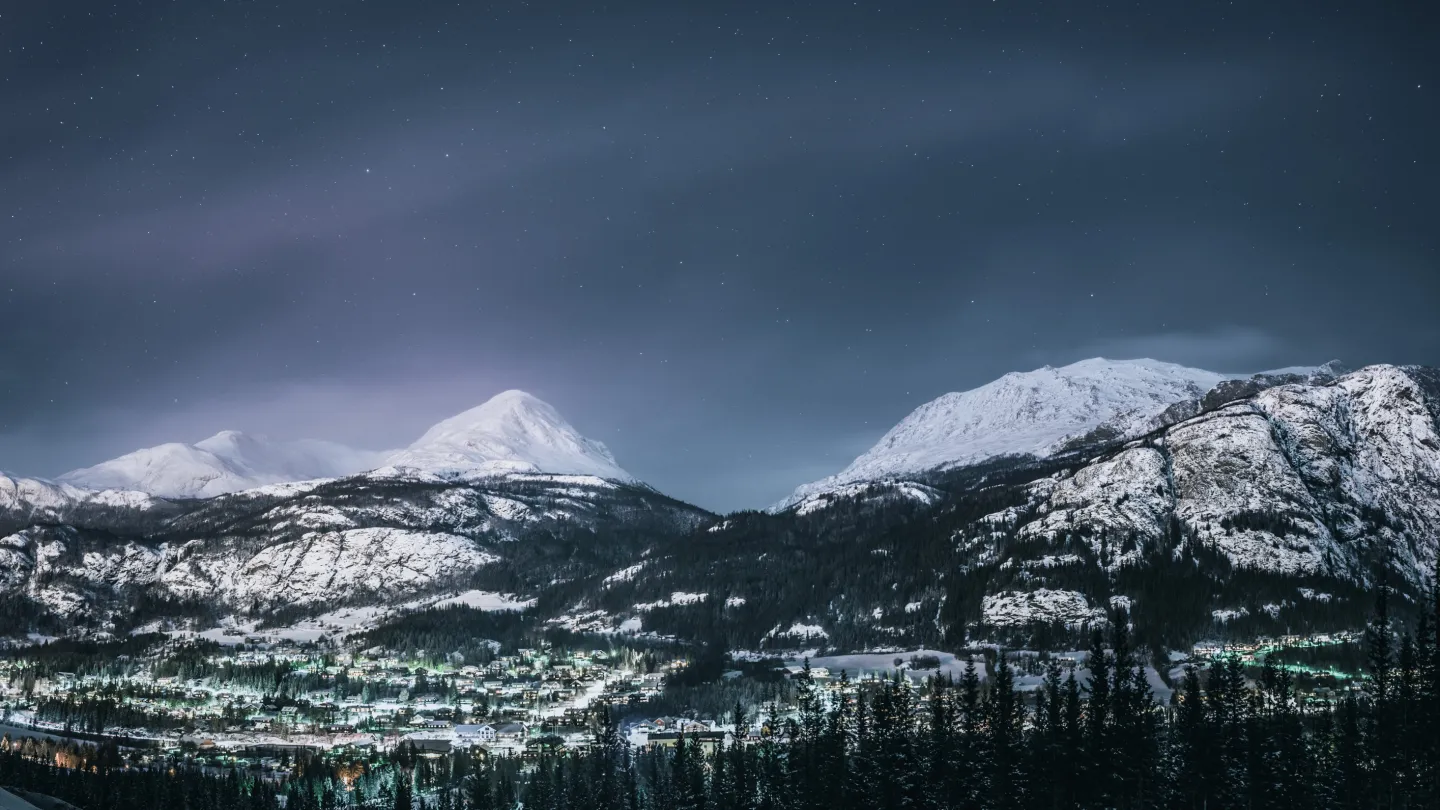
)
(1287, 481)
(798, 630)
(323, 565)
(1019, 608)
(626, 574)
(676, 599)
(1226, 615)
(903, 490)
(1127, 493)
(1227, 464)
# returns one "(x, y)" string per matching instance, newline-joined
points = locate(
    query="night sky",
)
(734, 244)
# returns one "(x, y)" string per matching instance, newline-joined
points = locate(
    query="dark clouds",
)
(736, 244)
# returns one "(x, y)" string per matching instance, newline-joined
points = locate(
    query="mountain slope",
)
(1022, 413)
(364, 540)
(512, 432)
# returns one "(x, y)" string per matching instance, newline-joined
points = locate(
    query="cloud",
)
(309, 194)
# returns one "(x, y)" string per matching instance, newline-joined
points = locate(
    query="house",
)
(511, 731)
(548, 744)
(472, 734)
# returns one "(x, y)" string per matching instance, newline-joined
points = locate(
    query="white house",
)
(472, 734)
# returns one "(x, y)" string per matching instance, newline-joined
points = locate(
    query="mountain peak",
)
(513, 431)
(1022, 413)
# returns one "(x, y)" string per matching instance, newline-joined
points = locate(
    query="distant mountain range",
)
(513, 432)
(226, 462)
(1019, 511)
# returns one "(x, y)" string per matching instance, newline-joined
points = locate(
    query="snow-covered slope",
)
(1022, 413)
(361, 540)
(226, 462)
(513, 432)
(33, 499)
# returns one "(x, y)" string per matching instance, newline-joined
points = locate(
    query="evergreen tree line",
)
(1225, 742)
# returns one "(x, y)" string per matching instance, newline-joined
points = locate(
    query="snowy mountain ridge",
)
(513, 432)
(37, 498)
(226, 462)
(1022, 413)
(1264, 506)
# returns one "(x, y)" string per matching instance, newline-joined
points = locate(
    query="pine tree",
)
(1095, 745)
(839, 776)
(1132, 736)
(1069, 773)
(1005, 717)
(940, 744)
(607, 762)
(403, 794)
(1049, 753)
(1351, 783)
(1193, 746)
(479, 793)
(1229, 717)
(973, 758)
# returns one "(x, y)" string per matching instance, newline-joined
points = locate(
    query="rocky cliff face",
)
(1297, 479)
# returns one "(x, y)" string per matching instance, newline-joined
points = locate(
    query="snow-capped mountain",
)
(513, 432)
(229, 461)
(1259, 506)
(1022, 413)
(508, 493)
